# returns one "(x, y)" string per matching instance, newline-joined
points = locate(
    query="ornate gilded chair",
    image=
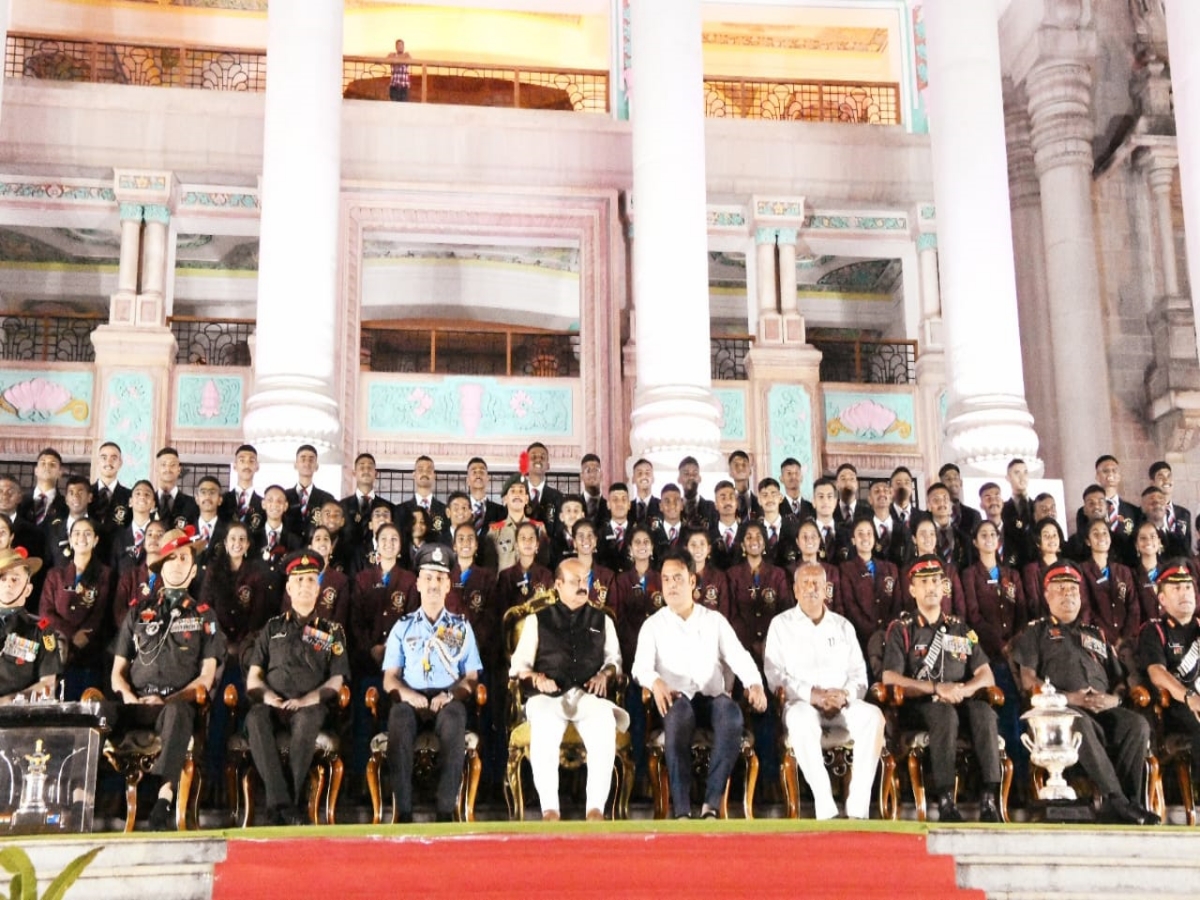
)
(572, 753)
(912, 744)
(425, 753)
(837, 748)
(132, 753)
(324, 777)
(660, 788)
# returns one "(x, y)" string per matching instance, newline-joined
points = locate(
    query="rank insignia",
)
(889, 584)
(243, 595)
(337, 648)
(48, 642)
(147, 615)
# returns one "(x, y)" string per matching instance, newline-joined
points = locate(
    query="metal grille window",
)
(48, 338)
(807, 101)
(728, 356)
(486, 350)
(212, 342)
(867, 362)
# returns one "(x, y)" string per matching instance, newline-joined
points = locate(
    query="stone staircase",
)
(1073, 864)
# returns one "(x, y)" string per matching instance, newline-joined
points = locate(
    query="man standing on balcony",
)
(398, 88)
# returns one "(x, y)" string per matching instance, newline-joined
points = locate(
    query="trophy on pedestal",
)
(1053, 744)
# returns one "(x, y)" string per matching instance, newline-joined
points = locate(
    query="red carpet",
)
(659, 866)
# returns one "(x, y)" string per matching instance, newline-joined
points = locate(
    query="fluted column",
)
(1029, 253)
(297, 335)
(121, 303)
(766, 280)
(1059, 89)
(674, 413)
(1183, 35)
(988, 421)
(153, 295)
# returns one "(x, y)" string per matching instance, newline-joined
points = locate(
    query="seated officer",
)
(938, 661)
(813, 654)
(430, 666)
(684, 652)
(168, 646)
(1074, 658)
(1169, 649)
(296, 668)
(567, 652)
(31, 657)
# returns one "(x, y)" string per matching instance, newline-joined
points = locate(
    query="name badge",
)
(19, 648)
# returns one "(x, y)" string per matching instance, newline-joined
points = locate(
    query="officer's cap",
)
(1174, 571)
(434, 557)
(303, 562)
(926, 566)
(1061, 571)
(18, 557)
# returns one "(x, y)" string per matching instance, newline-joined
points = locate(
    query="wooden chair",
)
(425, 753)
(133, 752)
(702, 742)
(572, 753)
(1171, 749)
(912, 745)
(837, 748)
(324, 776)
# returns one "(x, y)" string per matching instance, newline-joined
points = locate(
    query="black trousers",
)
(1113, 750)
(942, 721)
(174, 723)
(450, 725)
(303, 726)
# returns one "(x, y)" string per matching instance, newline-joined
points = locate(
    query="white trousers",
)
(864, 722)
(596, 723)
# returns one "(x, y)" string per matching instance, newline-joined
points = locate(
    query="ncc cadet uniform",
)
(516, 584)
(947, 652)
(72, 606)
(953, 604)
(699, 512)
(600, 582)
(503, 536)
(1074, 656)
(544, 503)
(473, 596)
(431, 658)
(665, 536)
(954, 547)
(893, 542)
(439, 523)
(712, 590)
(638, 597)
(595, 509)
(242, 604)
(302, 511)
(797, 508)
(242, 506)
(109, 509)
(756, 596)
(380, 598)
(869, 598)
(562, 545)
(725, 538)
(296, 656)
(1111, 600)
(166, 637)
(748, 507)
(644, 512)
(996, 608)
(29, 651)
(1175, 646)
(612, 545)
(1147, 594)
(176, 510)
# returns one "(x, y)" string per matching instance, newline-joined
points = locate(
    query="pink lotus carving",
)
(868, 419)
(421, 401)
(470, 405)
(39, 399)
(210, 400)
(520, 403)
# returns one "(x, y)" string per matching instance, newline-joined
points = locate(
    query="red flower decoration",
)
(21, 552)
(43, 622)
(523, 462)
(203, 607)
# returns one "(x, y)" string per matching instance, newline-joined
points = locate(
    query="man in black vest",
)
(566, 653)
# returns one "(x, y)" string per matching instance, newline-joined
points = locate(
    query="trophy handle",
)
(1076, 740)
(1025, 739)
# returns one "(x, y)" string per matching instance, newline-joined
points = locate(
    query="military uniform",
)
(296, 657)
(1165, 642)
(166, 642)
(29, 651)
(431, 657)
(944, 652)
(1074, 656)
(954, 602)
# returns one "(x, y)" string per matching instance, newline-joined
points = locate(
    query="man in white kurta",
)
(813, 654)
(567, 652)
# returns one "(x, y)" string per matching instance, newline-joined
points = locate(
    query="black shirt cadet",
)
(29, 651)
(910, 638)
(1072, 656)
(298, 658)
(1165, 642)
(166, 643)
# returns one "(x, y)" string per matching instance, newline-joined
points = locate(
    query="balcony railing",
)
(866, 103)
(483, 350)
(473, 84)
(211, 342)
(435, 81)
(727, 356)
(58, 338)
(867, 361)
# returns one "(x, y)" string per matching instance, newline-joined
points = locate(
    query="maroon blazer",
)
(995, 609)
(375, 607)
(637, 599)
(1147, 596)
(72, 608)
(516, 585)
(755, 598)
(712, 590)
(1035, 595)
(474, 597)
(870, 601)
(1111, 601)
(833, 584)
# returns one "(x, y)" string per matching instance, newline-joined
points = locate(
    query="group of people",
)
(151, 594)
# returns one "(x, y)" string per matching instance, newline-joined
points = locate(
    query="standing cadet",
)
(296, 668)
(938, 662)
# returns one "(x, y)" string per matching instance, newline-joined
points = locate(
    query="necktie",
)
(884, 534)
(795, 507)
(139, 536)
(533, 496)
(672, 534)
(1170, 517)
(205, 530)
(272, 537)
(477, 511)
(164, 501)
(303, 501)
(846, 513)
(904, 518)
(243, 503)
(105, 494)
(771, 535)
(729, 539)
(1112, 510)
(43, 504)
(619, 536)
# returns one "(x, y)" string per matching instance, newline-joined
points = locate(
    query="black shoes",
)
(1116, 809)
(947, 811)
(989, 811)
(162, 817)
(286, 814)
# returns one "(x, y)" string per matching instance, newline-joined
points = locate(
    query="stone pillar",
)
(674, 414)
(1183, 31)
(1173, 379)
(1029, 253)
(789, 303)
(155, 256)
(1059, 88)
(121, 304)
(766, 279)
(295, 365)
(988, 421)
(931, 290)
(147, 200)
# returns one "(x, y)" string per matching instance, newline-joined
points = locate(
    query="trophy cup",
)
(32, 806)
(1053, 744)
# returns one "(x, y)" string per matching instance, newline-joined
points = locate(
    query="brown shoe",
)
(551, 815)
(595, 815)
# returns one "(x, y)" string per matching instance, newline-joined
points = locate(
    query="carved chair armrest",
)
(371, 701)
(480, 694)
(781, 696)
(231, 696)
(93, 695)
(343, 697)
(990, 694)
(880, 694)
(198, 695)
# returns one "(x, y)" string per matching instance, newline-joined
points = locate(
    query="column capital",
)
(130, 212)
(1060, 114)
(1159, 163)
(787, 235)
(766, 235)
(146, 187)
(157, 212)
(1024, 188)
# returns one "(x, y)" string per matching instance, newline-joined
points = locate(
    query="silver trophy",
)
(1054, 745)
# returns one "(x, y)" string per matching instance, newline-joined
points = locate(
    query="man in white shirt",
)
(813, 654)
(567, 652)
(684, 655)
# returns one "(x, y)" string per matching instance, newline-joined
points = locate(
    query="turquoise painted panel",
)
(860, 417)
(733, 413)
(38, 398)
(943, 409)
(470, 408)
(128, 414)
(209, 401)
(790, 425)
